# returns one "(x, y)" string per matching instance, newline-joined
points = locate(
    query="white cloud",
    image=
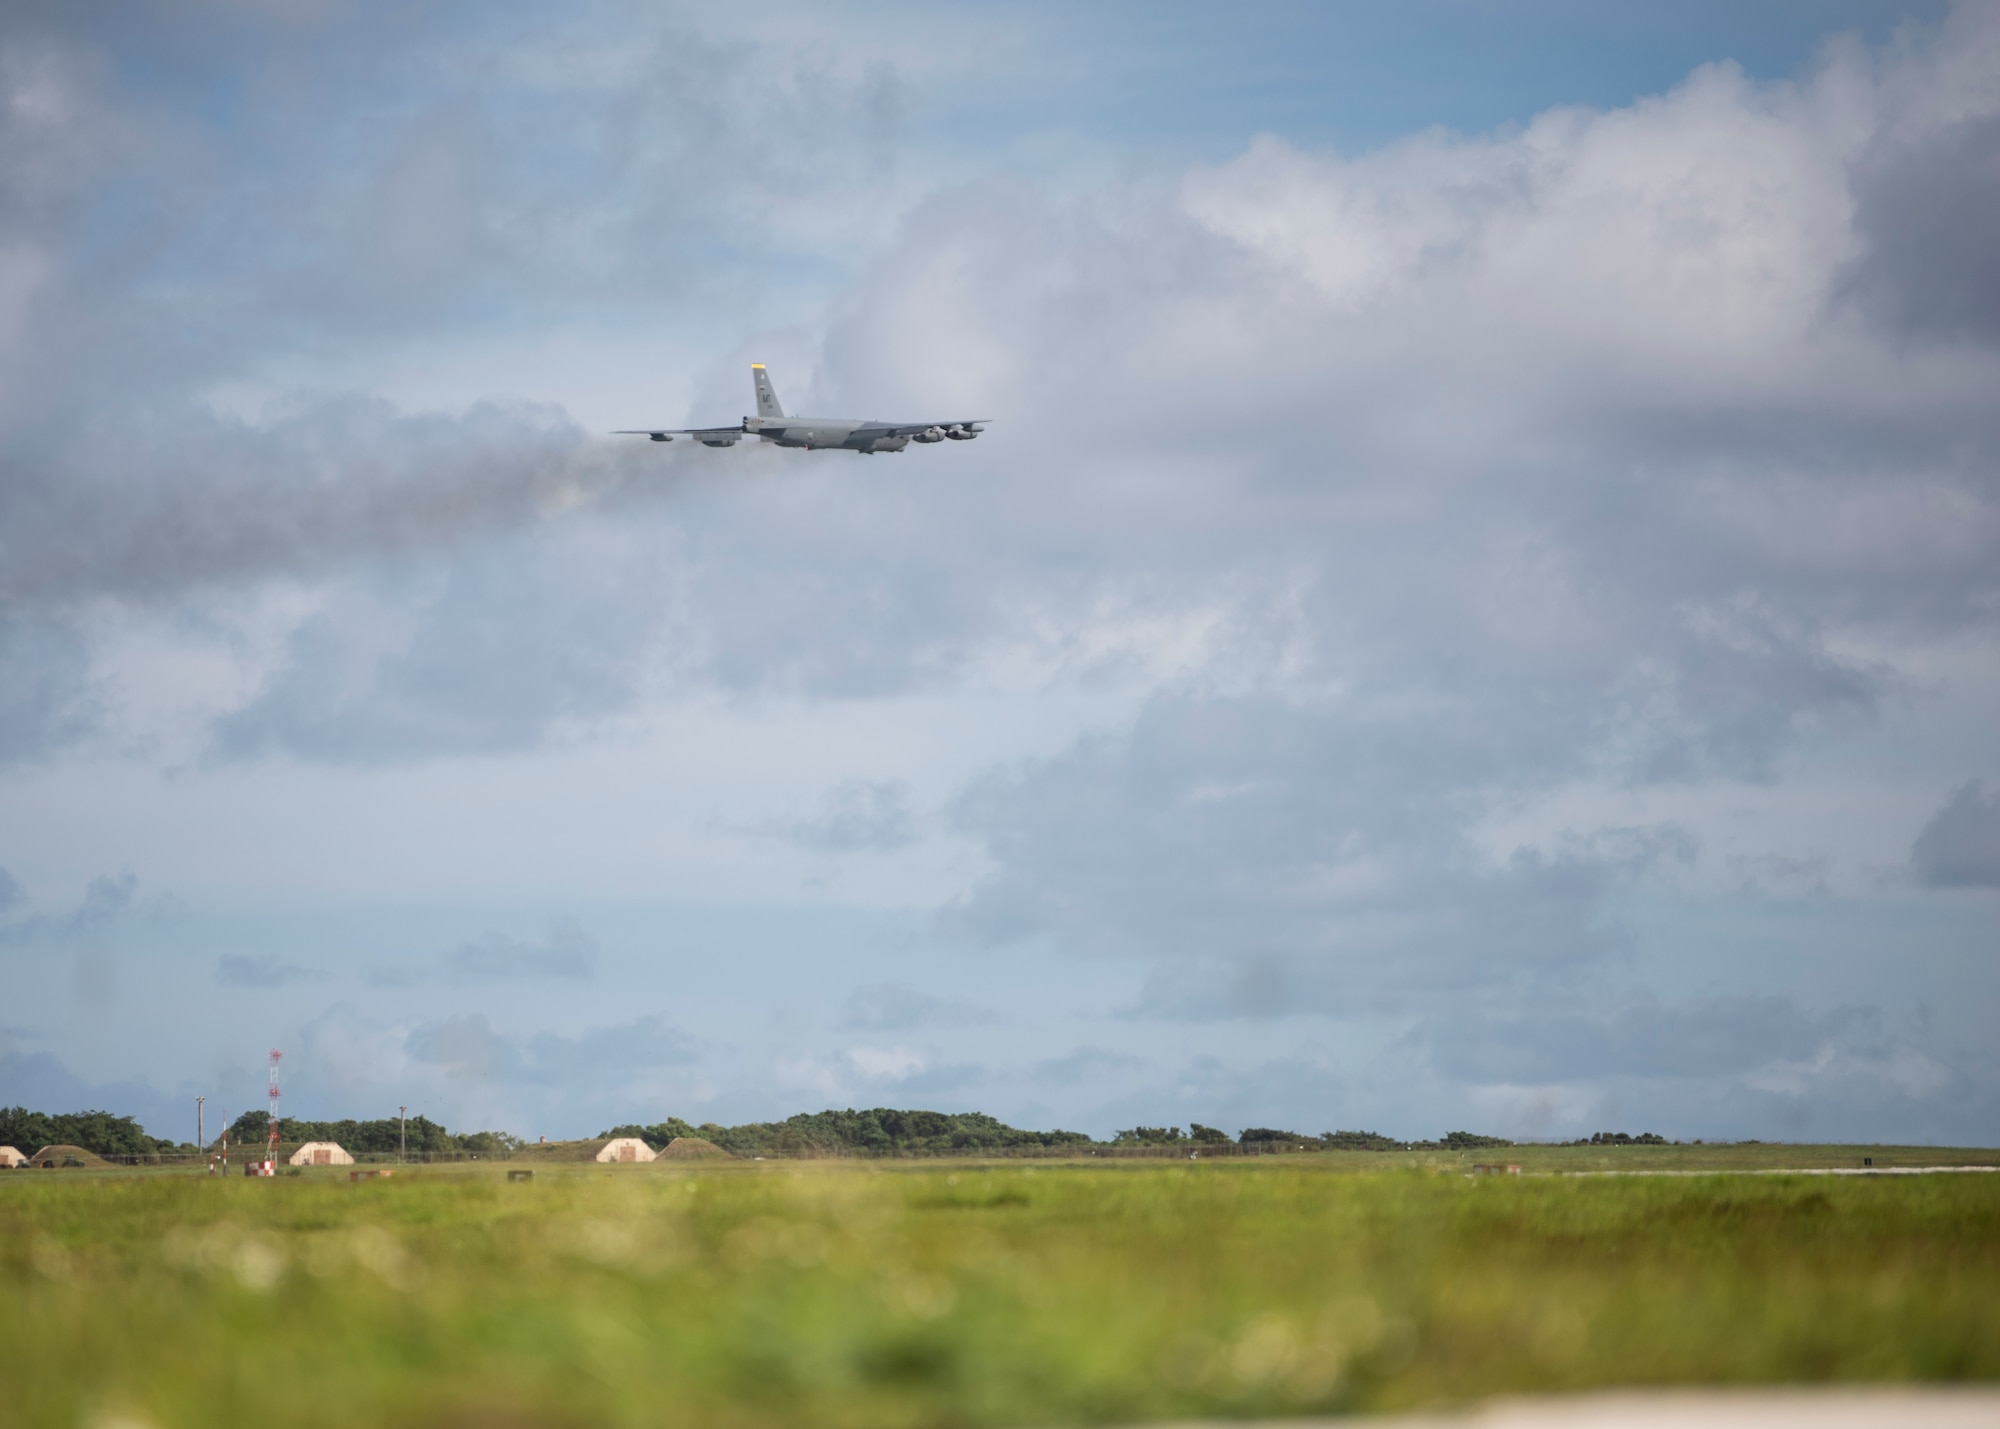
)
(887, 1063)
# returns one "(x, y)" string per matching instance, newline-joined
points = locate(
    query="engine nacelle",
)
(961, 434)
(659, 436)
(928, 435)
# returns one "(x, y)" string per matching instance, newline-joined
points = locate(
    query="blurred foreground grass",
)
(880, 1295)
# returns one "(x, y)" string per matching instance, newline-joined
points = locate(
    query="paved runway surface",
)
(1806, 1171)
(1913, 1408)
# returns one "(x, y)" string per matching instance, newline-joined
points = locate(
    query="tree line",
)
(385, 1134)
(1199, 1135)
(95, 1131)
(884, 1131)
(1622, 1138)
(877, 1131)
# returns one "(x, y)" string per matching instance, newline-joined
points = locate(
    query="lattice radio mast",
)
(271, 1150)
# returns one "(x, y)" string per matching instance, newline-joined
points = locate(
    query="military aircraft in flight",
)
(814, 433)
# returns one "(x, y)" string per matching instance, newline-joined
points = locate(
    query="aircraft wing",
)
(911, 429)
(712, 436)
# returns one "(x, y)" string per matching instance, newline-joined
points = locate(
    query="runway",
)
(1857, 1408)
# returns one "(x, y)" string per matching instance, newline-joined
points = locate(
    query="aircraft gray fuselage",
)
(815, 433)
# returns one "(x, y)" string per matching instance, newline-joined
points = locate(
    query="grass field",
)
(891, 1294)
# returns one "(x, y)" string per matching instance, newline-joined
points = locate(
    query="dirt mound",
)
(59, 1156)
(561, 1151)
(693, 1148)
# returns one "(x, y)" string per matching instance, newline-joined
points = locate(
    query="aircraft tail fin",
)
(767, 397)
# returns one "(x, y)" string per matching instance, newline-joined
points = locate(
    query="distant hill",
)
(692, 1148)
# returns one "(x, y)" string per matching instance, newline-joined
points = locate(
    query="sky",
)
(1478, 608)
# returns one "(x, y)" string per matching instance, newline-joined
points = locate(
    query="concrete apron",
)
(1855, 1408)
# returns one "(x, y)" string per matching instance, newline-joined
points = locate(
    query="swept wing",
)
(963, 429)
(710, 436)
(911, 430)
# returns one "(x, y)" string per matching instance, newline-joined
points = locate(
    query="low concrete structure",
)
(53, 1157)
(319, 1153)
(10, 1157)
(624, 1148)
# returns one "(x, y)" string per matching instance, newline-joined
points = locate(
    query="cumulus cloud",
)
(264, 971)
(1090, 1065)
(468, 1049)
(1718, 1037)
(859, 815)
(413, 197)
(40, 1081)
(1282, 857)
(565, 951)
(106, 900)
(1574, 469)
(48, 699)
(1960, 846)
(898, 1007)
(867, 1075)
(1567, 416)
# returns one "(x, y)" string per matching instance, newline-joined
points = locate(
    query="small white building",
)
(624, 1148)
(10, 1157)
(319, 1153)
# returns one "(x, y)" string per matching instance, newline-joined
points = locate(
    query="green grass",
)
(892, 1294)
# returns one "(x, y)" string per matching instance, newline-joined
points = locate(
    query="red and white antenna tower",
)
(272, 1152)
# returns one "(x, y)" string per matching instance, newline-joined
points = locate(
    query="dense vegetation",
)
(1359, 1141)
(1620, 1138)
(382, 1135)
(883, 1131)
(1268, 1136)
(98, 1131)
(1197, 1134)
(837, 1295)
(879, 1131)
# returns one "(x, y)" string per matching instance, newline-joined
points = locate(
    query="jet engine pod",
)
(659, 436)
(961, 434)
(928, 435)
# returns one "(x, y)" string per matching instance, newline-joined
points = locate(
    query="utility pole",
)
(200, 1140)
(402, 1133)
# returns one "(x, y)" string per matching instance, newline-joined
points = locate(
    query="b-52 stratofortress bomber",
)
(814, 433)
